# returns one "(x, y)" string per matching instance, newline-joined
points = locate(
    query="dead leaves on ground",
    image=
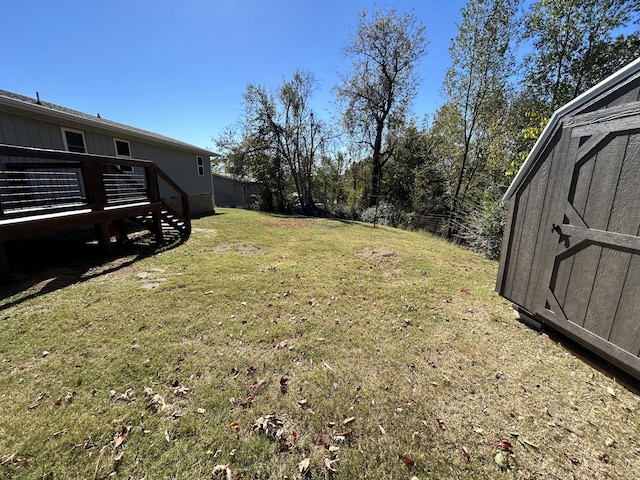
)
(326, 445)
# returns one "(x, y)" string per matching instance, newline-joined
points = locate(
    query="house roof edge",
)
(57, 111)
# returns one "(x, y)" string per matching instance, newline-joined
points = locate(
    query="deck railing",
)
(38, 183)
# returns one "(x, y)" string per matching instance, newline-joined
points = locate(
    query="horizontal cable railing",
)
(126, 185)
(34, 185)
(37, 181)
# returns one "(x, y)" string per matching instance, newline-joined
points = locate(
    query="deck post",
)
(5, 273)
(104, 237)
(157, 222)
(120, 230)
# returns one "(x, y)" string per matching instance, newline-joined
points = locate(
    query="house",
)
(233, 191)
(31, 122)
(61, 169)
(571, 249)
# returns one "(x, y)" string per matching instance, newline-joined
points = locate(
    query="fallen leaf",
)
(500, 460)
(572, 458)
(504, 445)
(43, 395)
(284, 384)
(611, 392)
(409, 462)
(527, 443)
(303, 466)
(441, 424)
(234, 426)
(223, 470)
(258, 385)
(251, 370)
(348, 421)
(180, 391)
(465, 454)
(121, 436)
(328, 465)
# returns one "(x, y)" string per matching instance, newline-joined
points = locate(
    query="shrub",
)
(482, 226)
(384, 214)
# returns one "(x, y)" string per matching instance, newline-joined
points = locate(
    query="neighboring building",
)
(571, 249)
(30, 122)
(233, 191)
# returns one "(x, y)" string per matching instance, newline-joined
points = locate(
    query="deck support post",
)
(104, 237)
(157, 222)
(120, 230)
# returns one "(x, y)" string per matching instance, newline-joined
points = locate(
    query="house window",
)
(73, 140)
(200, 162)
(123, 149)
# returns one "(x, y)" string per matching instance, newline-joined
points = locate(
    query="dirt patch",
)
(290, 222)
(205, 231)
(239, 248)
(370, 253)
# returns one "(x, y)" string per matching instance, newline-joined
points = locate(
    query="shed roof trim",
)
(563, 111)
(64, 113)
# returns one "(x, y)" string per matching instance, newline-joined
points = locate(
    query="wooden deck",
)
(48, 191)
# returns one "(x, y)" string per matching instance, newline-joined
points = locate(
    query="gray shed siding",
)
(26, 129)
(571, 250)
(522, 252)
(230, 192)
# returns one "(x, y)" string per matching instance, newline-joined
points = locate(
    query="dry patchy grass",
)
(267, 347)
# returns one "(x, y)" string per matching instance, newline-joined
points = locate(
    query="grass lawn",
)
(276, 347)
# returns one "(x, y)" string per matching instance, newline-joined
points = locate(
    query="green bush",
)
(482, 226)
(384, 214)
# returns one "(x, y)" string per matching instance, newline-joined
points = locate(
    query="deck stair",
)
(174, 228)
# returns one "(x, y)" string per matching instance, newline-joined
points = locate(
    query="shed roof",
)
(40, 107)
(562, 112)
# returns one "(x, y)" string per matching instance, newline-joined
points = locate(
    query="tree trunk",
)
(376, 170)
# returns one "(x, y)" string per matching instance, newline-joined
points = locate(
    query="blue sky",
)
(180, 68)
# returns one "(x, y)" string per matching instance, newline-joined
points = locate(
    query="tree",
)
(280, 139)
(329, 181)
(574, 48)
(475, 117)
(378, 92)
(411, 179)
(244, 154)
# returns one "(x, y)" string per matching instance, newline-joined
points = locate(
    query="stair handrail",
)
(184, 197)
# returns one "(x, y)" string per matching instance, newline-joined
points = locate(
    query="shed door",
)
(591, 286)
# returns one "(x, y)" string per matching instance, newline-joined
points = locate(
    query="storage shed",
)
(571, 248)
(234, 191)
